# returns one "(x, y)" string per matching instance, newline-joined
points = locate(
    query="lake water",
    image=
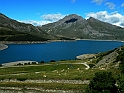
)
(55, 50)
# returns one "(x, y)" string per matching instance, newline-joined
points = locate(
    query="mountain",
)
(12, 30)
(70, 27)
(105, 30)
(76, 27)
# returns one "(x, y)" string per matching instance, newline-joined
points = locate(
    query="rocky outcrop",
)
(106, 60)
(109, 60)
(86, 56)
(2, 46)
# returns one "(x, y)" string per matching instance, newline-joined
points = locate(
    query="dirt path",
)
(84, 63)
(87, 66)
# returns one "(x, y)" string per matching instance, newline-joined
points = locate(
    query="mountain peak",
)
(1, 14)
(71, 26)
(67, 21)
(92, 19)
(73, 16)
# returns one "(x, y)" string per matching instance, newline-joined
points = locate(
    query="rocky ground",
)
(2, 46)
(40, 90)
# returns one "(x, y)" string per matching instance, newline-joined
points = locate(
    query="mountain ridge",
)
(12, 30)
(74, 26)
(70, 27)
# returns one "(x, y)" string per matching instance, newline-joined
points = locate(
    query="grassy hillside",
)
(69, 75)
(12, 30)
(7, 34)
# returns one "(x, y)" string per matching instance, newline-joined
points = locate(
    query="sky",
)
(40, 12)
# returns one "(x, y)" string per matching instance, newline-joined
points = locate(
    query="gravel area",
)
(2, 46)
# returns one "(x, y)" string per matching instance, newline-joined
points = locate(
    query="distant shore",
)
(4, 46)
(32, 42)
(22, 42)
(101, 40)
(48, 41)
(18, 62)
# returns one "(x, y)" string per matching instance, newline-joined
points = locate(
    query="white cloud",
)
(35, 23)
(48, 18)
(114, 18)
(110, 5)
(122, 5)
(53, 17)
(98, 1)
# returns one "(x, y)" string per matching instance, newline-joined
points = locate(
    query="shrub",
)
(19, 64)
(103, 82)
(42, 62)
(34, 63)
(91, 65)
(52, 61)
(21, 79)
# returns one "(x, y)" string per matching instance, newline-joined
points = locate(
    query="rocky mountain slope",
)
(76, 27)
(105, 60)
(12, 30)
(108, 59)
(70, 27)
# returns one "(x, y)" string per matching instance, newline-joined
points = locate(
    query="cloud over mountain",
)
(53, 17)
(47, 18)
(34, 22)
(114, 18)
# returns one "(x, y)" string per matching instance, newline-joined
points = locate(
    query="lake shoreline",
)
(100, 40)
(18, 63)
(3, 47)
(49, 41)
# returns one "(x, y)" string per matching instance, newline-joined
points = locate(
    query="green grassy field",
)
(71, 70)
(61, 70)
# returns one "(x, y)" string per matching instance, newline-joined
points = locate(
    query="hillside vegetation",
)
(12, 30)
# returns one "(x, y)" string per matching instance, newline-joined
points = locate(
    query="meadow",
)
(61, 75)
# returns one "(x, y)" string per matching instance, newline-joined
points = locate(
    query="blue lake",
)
(55, 50)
